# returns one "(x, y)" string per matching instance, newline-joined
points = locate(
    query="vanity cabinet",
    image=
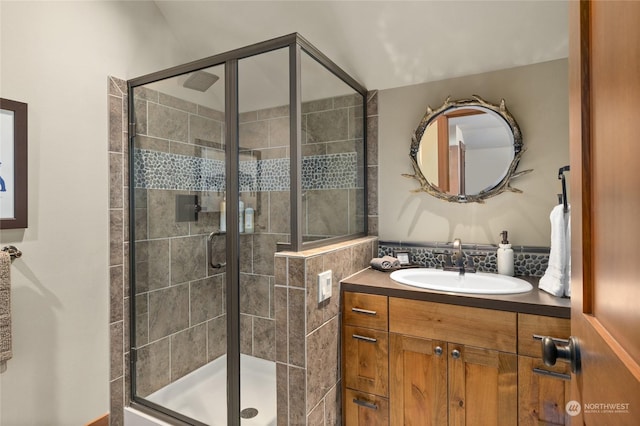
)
(543, 391)
(365, 361)
(451, 364)
(416, 362)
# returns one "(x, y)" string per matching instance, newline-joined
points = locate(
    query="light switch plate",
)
(324, 285)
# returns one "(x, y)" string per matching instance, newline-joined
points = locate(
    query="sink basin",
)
(475, 283)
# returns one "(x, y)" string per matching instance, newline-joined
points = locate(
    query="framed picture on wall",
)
(13, 164)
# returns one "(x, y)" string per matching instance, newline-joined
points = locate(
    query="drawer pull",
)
(363, 311)
(365, 404)
(543, 372)
(365, 338)
(555, 339)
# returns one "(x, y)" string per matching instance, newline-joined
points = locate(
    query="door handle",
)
(552, 351)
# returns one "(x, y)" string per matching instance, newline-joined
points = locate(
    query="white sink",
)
(476, 283)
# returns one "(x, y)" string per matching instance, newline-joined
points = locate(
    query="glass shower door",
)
(180, 323)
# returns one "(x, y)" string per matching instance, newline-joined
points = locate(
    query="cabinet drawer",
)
(530, 325)
(366, 354)
(361, 408)
(479, 327)
(365, 310)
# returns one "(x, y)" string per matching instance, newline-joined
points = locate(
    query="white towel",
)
(5, 309)
(557, 276)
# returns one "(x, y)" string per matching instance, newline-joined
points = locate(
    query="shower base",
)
(202, 395)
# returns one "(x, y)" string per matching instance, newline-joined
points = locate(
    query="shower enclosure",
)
(232, 159)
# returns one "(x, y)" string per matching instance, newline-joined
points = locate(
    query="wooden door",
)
(417, 381)
(604, 79)
(483, 386)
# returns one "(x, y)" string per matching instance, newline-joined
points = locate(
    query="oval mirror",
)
(467, 150)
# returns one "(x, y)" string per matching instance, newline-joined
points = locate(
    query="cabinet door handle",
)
(363, 311)
(365, 404)
(365, 338)
(544, 372)
(455, 354)
(438, 350)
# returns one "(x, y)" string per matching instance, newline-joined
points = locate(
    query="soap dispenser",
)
(505, 256)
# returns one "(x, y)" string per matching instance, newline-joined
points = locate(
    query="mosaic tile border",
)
(528, 261)
(163, 170)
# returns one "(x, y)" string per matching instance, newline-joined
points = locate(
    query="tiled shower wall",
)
(268, 219)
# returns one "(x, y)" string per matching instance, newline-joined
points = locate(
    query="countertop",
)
(535, 302)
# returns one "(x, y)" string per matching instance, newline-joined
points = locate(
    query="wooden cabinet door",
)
(363, 409)
(417, 381)
(482, 386)
(366, 364)
(543, 392)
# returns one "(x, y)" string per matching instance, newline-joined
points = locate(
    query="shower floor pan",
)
(202, 394)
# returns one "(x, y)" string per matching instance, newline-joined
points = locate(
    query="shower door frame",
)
(296, 44)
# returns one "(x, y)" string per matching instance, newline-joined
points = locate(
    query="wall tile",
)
(204, 131)
(216, 337)
(327, 212)
(333, 405)
(206, 299)
(168, 311)
(117, 349)
(254, 295)
(314, 265)
(267, 113)
(264, 247)
(177, 103)
(297, 403)
(254, 134)
(264, 331)
(316, 416)
(167, 123)
(115, 124)
(246, 334)
(188, 351)
(211, 113)
(188, 259)
(296, 272)
(116, 293)
(372, 141)
(327, 126)
(318, 105)
(279, 208)
(153, 368)
(282, 394)
(161, 206)
(297, 333)
(116, 237)
(279, 135)
(116, 402)
(153, 270)
(282, 326)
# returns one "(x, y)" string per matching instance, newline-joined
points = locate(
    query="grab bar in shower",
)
(209, 240)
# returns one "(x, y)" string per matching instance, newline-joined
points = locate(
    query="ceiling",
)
(384, 44)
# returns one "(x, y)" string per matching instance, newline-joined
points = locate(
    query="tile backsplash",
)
(528, 261)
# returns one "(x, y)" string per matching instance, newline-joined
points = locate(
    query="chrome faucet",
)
(458, 259)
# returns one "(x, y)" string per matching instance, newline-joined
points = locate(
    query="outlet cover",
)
(324, 285)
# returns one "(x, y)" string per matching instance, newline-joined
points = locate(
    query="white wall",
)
(56, 57)
(537, 96)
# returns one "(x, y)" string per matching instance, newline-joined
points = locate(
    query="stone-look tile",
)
(153, 368)
(311, 149)
(246, 253)
(264, 338)
(177, 103)
(254, 295)
(168, 311)
(167, 123)
(356, 123)
(144, 93)
(264, 246)
(116, 296)
(296, 272)
(142, 324)
(297, 403)
(347, 100)
(352, 145)
(372, 189)
(282, 326)
(207, 132)
(117, 349)
(297, 333)
(361, 255)
(333, 405)
(244, 117)
(282, 394)
(327, 212)
(207, 221)
(274, 153)
(115, 181)
(319, 105)
(372, 222)
(140, 115)
(279, 111)
(372, 103)
(246, 334)
(206, 299)
(316, 416)
(372, 141)
(188, 351)
(326, 126)
(152, 144)
(279, 132)
(115, 124)
(186, 149)
(211, 113)
(116, 402)
(152, 271)
(314, 265)
(116, 237)
(188, 259)
(280, 270)
(339, 261)
(161, 205)
(280, 212)
(116, 86)
(254, 134)
(322, 361)
(216, 337)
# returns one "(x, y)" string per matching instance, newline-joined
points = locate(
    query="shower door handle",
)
(209, 240)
